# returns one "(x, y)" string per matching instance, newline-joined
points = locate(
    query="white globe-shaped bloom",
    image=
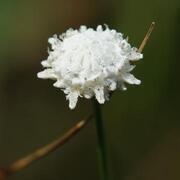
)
(88, 62)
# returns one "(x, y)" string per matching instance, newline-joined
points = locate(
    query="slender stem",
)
(101, 141)
(43, 151)
(141, 47)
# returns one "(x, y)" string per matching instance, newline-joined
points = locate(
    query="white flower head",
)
(88, 62)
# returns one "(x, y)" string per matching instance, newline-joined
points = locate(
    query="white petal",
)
(134, 55)
(73, 98)
(59, 84)
(88, 96)
(122, 86)
(82, 28)
(129, 78)
(112, 86)
(45, 63)
(47, 74)
(99, 94)
(99, 28)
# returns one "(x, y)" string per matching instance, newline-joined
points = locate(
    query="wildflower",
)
(88, 62)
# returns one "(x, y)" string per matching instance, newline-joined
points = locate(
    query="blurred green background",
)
(142, 124)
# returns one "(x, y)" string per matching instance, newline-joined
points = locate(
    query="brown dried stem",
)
(43, 151)
(141, 47)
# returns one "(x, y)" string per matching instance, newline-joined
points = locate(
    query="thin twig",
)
(43, 151)
(141, 47)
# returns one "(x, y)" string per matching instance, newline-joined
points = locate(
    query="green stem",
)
(101, 141)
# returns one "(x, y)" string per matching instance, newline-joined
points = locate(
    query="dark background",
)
(142, 124)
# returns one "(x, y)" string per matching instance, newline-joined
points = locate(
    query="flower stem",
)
(101, 141)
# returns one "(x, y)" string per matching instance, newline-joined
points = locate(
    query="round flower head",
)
(88, 62)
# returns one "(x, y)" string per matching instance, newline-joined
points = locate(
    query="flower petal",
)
(99, 93)
(129, 78)
(47, 74)
(73, 98)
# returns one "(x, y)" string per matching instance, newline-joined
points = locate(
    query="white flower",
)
(88, 62)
